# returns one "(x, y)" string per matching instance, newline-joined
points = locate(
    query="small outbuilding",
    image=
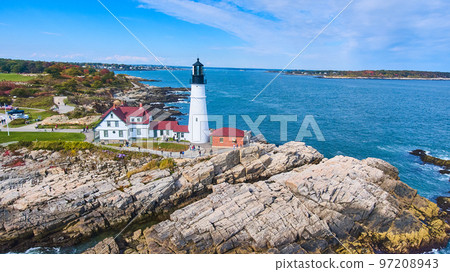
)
(227, 137)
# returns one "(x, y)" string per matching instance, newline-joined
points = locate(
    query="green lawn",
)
(33, 114)
(40, 136)
(15, 77)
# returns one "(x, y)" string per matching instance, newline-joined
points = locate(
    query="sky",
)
(369, 34)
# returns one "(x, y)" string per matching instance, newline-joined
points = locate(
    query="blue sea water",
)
(359, 118)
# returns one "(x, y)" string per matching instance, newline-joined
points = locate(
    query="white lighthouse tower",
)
(198, 115)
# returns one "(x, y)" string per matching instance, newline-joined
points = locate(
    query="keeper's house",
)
(123, 123)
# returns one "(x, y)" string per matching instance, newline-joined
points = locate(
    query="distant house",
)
(123, 123)
(228, 137)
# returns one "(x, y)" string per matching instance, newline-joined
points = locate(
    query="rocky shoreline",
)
(259, 199)
(156, 97)
(425, 158)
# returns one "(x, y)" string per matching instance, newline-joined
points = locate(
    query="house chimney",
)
(114, 105)
(140, 105)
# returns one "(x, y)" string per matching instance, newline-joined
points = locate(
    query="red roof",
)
(124, 113)
(228, 132)
(168, 125)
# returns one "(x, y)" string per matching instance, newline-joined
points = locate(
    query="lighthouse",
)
(198, 115)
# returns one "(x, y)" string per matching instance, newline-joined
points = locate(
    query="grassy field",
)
(15, 77)
(40, 136)
(40, 102)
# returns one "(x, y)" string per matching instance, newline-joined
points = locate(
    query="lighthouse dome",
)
(197, 73)
(197, 63)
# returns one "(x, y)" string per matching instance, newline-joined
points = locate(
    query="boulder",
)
(107, 246)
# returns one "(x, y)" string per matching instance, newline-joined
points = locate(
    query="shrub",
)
(17, 122)
(61, 145)
(41, 102)
(97, 84)
(23, 92)
(5, 100)
(167, 164)
(20, 144)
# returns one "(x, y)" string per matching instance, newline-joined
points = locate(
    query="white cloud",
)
(127, 59)
(398, 28)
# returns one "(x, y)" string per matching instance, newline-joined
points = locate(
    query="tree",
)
(53, 71)
(73, 71)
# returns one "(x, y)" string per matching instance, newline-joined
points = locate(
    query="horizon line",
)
(228, 67)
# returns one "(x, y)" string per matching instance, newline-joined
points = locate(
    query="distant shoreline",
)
(371, 74)
(385, 78)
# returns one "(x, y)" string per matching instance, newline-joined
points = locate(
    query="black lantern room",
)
(197, 73)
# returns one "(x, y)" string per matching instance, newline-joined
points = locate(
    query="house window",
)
(105, 133)
(138, 131)
(196, 119)
(117, 123)
(132, 119)
(167, 132)
(221, 140)
(161, 133)
(120, 133)
(111, 115)
(182, 135)
(108, 123)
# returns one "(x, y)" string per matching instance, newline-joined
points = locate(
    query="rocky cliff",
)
(262, 198)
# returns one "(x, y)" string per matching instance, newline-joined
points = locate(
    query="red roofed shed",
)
(227, 137)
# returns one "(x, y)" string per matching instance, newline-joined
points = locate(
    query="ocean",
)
(358, 117)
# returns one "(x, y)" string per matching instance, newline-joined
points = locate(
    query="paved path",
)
(187, 154)
(31, 128)
(62, 107)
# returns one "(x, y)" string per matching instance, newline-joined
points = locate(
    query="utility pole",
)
(6, 119)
